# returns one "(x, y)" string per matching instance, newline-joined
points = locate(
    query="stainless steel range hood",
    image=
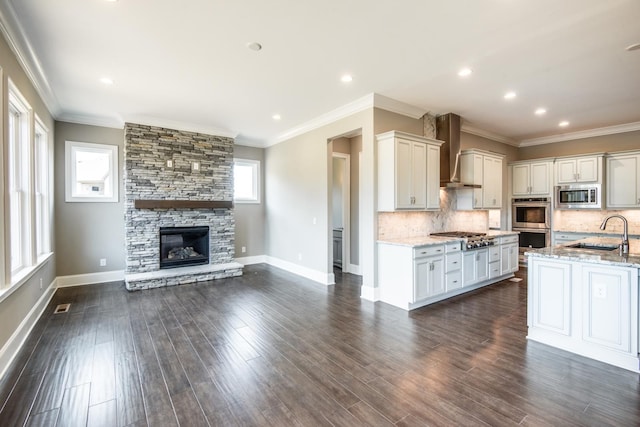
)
(448, 130)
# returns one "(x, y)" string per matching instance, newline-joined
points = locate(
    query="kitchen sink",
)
(592, 247)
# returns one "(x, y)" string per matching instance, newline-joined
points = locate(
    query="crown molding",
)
(18, 42)
(607, 130)
(368, 101)
(91, 120)
(179, 125)
(389, 104)
(487, 134)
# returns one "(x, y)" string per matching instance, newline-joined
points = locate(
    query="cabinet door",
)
(482, 264)
(419, 175)
(404, 174)
(429, 277)
(520, 179)
(566, 170)
(606, 308)
(492, 182)
(508, 258)
(550, 294)
(540, 181)
(433, 177)
(478, 176)
(469, 268)
(587, 169)
(623, 175)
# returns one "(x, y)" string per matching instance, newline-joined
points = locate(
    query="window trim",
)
(70, 172)
(42, 186)
(255, 165)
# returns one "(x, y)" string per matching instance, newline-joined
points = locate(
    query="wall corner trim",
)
(370, 294)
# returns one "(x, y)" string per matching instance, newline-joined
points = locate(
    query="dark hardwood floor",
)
(270, 348)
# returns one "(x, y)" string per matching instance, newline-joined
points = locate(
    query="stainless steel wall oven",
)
(531, 218)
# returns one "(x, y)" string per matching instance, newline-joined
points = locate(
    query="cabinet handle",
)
(423, 252)
(454, 262)
(438, 250)
(455, 281)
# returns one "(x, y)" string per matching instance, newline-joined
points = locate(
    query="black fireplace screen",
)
(182, 246)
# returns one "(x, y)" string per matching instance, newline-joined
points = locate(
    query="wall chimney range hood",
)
(448, 130)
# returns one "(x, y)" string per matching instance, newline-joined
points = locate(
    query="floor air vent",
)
(62, 308)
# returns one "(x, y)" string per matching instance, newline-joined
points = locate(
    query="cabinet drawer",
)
(509, 239)
(428, 251)
(453, 280)
(494, 253)
(452, 247)
(494, 269)
(454, 262)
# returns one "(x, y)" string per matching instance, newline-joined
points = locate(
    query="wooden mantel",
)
(182, 204)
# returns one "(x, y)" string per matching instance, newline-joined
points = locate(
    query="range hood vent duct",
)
(448, 130)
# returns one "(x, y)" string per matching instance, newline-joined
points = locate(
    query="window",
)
(19, 181)
(42, 189)
(91, 172)
(246, 181)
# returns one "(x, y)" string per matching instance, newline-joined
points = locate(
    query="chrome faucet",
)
(624, 246)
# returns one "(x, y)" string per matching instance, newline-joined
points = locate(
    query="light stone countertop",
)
(417, 241)
(593, 256)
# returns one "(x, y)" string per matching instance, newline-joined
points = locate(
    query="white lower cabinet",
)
(429, 277)
(413, 276)
(475, 266)
(508, 258)
(585, 308)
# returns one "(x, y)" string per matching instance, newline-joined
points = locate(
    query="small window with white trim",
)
(246, 181)
(91, 172)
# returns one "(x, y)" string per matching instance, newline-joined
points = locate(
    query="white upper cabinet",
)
(579, 169)
(484, 169)
(408, 172)
(623, 180)
(531, 178)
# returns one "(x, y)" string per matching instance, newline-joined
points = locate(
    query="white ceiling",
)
(186, 64)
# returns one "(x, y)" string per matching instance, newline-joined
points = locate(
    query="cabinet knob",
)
(454, 262)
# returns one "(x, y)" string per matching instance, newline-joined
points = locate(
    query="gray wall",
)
(88, 231)
(597, 144)
(15, 307)
(250, 216)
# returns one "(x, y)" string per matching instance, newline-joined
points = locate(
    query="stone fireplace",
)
(174, 180)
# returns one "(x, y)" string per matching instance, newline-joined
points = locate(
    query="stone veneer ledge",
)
(147, 177)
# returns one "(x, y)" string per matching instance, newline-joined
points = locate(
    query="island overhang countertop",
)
(609, 257)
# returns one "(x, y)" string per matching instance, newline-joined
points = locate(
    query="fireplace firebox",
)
(182, 246)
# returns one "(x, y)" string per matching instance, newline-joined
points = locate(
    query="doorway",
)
(344, 202)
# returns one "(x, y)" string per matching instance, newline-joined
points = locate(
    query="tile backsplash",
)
(586, 221)
(392, 225)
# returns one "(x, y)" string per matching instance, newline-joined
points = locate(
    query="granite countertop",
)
(593, 256)
(417, 241)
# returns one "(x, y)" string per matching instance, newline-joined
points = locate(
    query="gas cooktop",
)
(470, 239)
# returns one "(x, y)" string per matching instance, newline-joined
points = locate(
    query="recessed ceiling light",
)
(465, 72)
(276, 117)
(106, 81)
(254, 46)
(634, 46)
(563, 124)
(541, 111)
(347, 78)
(509, 95)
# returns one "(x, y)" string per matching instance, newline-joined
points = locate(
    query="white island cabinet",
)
(585, 303)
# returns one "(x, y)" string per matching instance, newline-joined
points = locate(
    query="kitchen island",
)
(421, 270)
(583, 298)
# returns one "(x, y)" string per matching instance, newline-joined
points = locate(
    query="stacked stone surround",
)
(147, 177)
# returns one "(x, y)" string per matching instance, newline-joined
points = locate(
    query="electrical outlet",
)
(244, 249)
(315, 220)
(299, 257)
(41, 283)
(103, 262)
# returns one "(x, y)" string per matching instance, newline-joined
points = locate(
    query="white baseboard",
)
(90, 278)
(248, 260)
(355, 269)
(18, 338)
(369, 293)
(309, 273)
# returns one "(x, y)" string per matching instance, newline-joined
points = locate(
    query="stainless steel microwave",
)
(579, 196)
